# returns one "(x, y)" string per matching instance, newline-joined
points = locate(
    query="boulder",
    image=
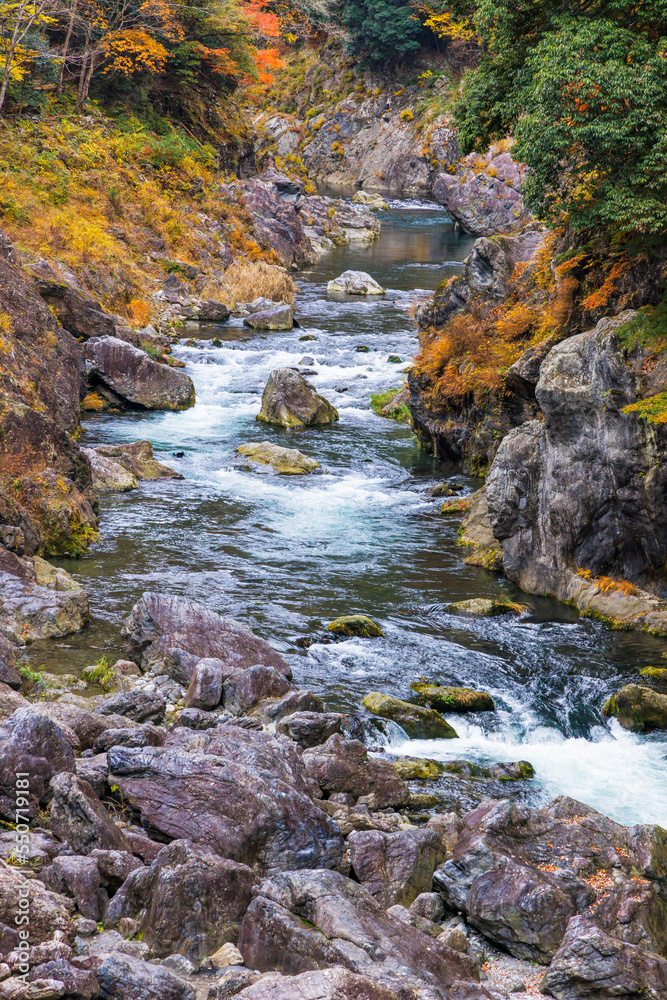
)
(280, 317)
(86, 726)
(371, 199)
(123, 977)
(205, 688)
(323, 984)
(481, 606)
(307, 919)
(418, 722)
(418, 768)
(590, 963)
(241, 794)
(211, 311)
(354, 283)
(453, 699)
(290, 401)
(49, 911)
(79, 818)
(38, 606)
(78, 877)
(78, 983)
(309, 729)
(484, 195)
(9, 654)
(287, 461)
(10, 700)
(136, 705)
(33, 744)
(341, 765)
(639, 709)
(109, 475)
(395, 867)
(197, 630)
(293, 701)
(243, 689)
(358, 625)
(135, 379)
(161, 900)
(136, 457)
(140, 736)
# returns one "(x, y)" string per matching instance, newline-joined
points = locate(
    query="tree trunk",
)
(68, 38)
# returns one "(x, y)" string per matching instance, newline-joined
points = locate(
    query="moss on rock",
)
(418, 722)
(453, 699)
(418, 768)
(358, 625)
(637, 708)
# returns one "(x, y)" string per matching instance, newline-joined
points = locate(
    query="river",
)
(288, 554)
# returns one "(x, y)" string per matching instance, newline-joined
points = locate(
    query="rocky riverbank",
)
(316, 864)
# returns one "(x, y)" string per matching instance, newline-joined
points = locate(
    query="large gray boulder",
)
(279, 317)
(484, 194)
(161, 898)
(241, 794)
(135, 379)
(291, 401)
(341, 765)
(354, 283)
(395, 867)
(569, 496)
(109, 475)
(324, 984)
(135, 457)
(306, 920)
(123, 977)
(33, 744)
(38, 600)
(80, 819)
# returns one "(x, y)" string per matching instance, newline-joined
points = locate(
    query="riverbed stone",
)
(371, 199)
(135, 379)
(310, 729)
(453, 699)
(78, 984)
(239, 793)
(279, 317)
(418, 768)
(31, 743)
(291, 401)
(302, 919)
(341, 765)
(479, 606)
(322, 984)
(395, 867)
(161, 899)
(136, 705)
(205, 688)
(109, 475)
(286, 461)
(123, 977)
(80, 819)
(136, 457)
(357, 625)
(50, 912)
(637, 708)
(355, 283)
(418, 722)
(244, 689)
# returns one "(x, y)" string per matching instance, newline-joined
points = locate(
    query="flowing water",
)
(288, 554)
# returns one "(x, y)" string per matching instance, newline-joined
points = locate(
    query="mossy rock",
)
(358, 625)
(464, 769)
(418, 768)
(484, 607)
(285, 461)
(638, 709)
(453, 699)
(421, 800)
(655, 673)
(519, 770)
(418, 722)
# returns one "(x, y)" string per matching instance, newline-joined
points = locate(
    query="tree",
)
(383, 30)
(18, 18)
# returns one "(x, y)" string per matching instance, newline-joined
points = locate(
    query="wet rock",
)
(135, 379)
(138, 706)
(79, 818)
(290, 401)
(38, 601)
(418, 722)
(639, 709)
(453, 699)
(341, 765)
(371, 199)
(395, 867)
(418, 768)
(205, 688)
(197, 630)
(123, 977)
(293, 701)
(309, 729)
(280, 317)
(477, 538)
(287, 461)
(109, 475)
(49, 911)
(479, 606)
(243, 689)
(241, 794)
(33, 744)
(354, 283)
(161, 899)
(519, 770)
(301, 919)
(211, 311)
(324, 984)
(358, 625)
(136, 457)
(590, 963)
(484, 196)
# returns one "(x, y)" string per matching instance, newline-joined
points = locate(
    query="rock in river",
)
(291, 401)
(418, 722)
(136, 457)
(135, 379)
(280, 317)
(638, 708)
(359, 625)
(287, 461)
(454, 699)
(371, 199)
(480, 606)
(355, 283)
(109, 475)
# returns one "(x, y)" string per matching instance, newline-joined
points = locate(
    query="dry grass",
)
(248, 280)
(605, 584)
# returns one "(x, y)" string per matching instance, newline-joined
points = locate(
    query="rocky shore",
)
(206, 829)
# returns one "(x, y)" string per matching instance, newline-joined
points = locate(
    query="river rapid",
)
(286, 555)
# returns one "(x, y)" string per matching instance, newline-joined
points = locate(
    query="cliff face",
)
(45, 479)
